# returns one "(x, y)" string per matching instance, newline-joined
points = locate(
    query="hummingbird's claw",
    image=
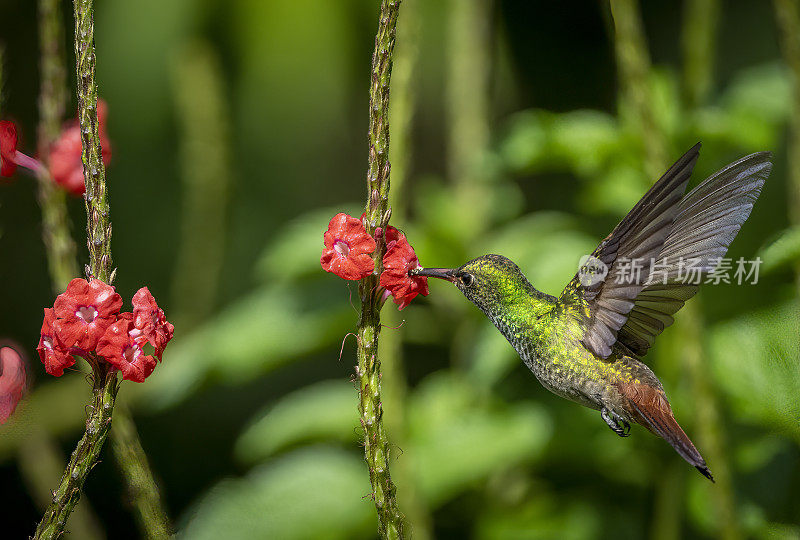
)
(617, 424)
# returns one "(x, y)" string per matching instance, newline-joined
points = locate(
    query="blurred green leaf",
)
(315, 492)
(780, 531)
(757, 524)
(582, 141)
(751, 109)
(763, 91)
(294, 251)
(756, 360)
(541, 517)
(454, 442)
(266, 329)
(442, 214)
(326, 410)
(490, 357)
(754, 453)
(616, 190)
(782, 251)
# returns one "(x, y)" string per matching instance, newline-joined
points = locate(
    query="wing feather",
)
(640, 236)
(627, 311)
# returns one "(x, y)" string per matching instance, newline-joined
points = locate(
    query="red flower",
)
(65, 162)
(121, 346)
(12, 381)
(347, 248)
(84, 312)
(150, 323)
(8, 148)
(52, 352)
(399, 260)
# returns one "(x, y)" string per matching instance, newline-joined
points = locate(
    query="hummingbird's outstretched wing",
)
(639, 237)
(709, 218)
(628, 310)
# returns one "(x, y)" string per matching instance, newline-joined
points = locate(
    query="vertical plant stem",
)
(58, 242)
(469, 60)
(699, 34)
(468, 54)
(140, 483)
(198, 91)
(403, 105)
(41, 463)
(98, 225)
(68, 492)
(633, 66)
(39, 460)
(786, 13)
(105, 386)
(689, 328)
(142, 489)
(666, 523)
(376, 441)
(401, 112)
(700, 19)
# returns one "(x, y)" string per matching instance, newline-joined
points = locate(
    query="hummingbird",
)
(587, 344)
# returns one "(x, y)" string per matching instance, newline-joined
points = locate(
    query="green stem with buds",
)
(105, 385)
(98, 225)
(395, 388)
(68, 492)
(58, 241)
(376, 442)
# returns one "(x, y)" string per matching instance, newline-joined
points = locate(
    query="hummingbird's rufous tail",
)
(650, 408)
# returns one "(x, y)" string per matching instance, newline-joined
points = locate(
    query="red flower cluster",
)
(63, 157)
(12, 381)
(86, 319)
(399, 260)
(347, 254)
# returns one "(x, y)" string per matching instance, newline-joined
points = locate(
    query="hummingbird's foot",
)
(617, 424)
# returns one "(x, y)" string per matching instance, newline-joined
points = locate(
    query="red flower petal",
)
(149, 319)
(52, 352)
(12, 381)
(123, 352)
(347, 248)
(84, 311)
(399, 260)
(8, 148)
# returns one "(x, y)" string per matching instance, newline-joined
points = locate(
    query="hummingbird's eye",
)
(466, 279)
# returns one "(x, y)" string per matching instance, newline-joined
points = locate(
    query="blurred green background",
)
(239, 129)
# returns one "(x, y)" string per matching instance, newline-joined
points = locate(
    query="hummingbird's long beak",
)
(448, 274)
